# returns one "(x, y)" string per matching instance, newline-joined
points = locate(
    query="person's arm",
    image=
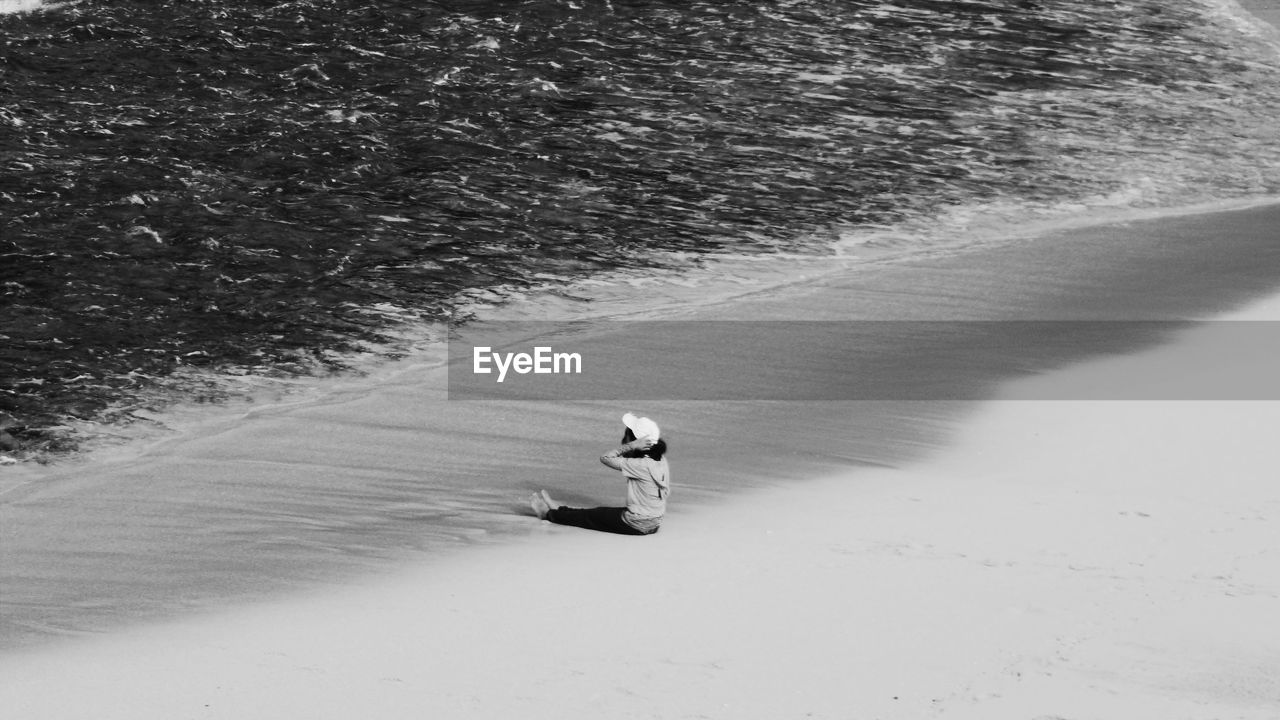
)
(613, 458)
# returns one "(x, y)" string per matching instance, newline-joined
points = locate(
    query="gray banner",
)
(863, 360)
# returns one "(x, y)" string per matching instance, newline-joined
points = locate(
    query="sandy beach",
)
(1059, 560)
(1014, 559)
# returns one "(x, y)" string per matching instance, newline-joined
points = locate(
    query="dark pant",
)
(604, 519)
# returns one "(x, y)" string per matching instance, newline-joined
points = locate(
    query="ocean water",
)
(271, 188)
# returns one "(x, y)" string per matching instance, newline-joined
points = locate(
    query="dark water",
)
(261, 187)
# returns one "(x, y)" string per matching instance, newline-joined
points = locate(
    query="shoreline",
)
(1268, 11)
(1130, 576)
(267, 394)
(706, 298)
(351, 484)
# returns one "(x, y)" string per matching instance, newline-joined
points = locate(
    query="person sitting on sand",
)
(642, 460)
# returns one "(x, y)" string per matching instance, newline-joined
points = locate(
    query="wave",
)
(257, 189)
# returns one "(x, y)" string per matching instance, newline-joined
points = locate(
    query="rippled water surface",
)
(261, 186)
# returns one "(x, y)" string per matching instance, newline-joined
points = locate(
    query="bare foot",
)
(540, 506)
(547, 499)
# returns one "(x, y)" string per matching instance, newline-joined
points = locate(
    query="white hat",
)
(641, 427)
